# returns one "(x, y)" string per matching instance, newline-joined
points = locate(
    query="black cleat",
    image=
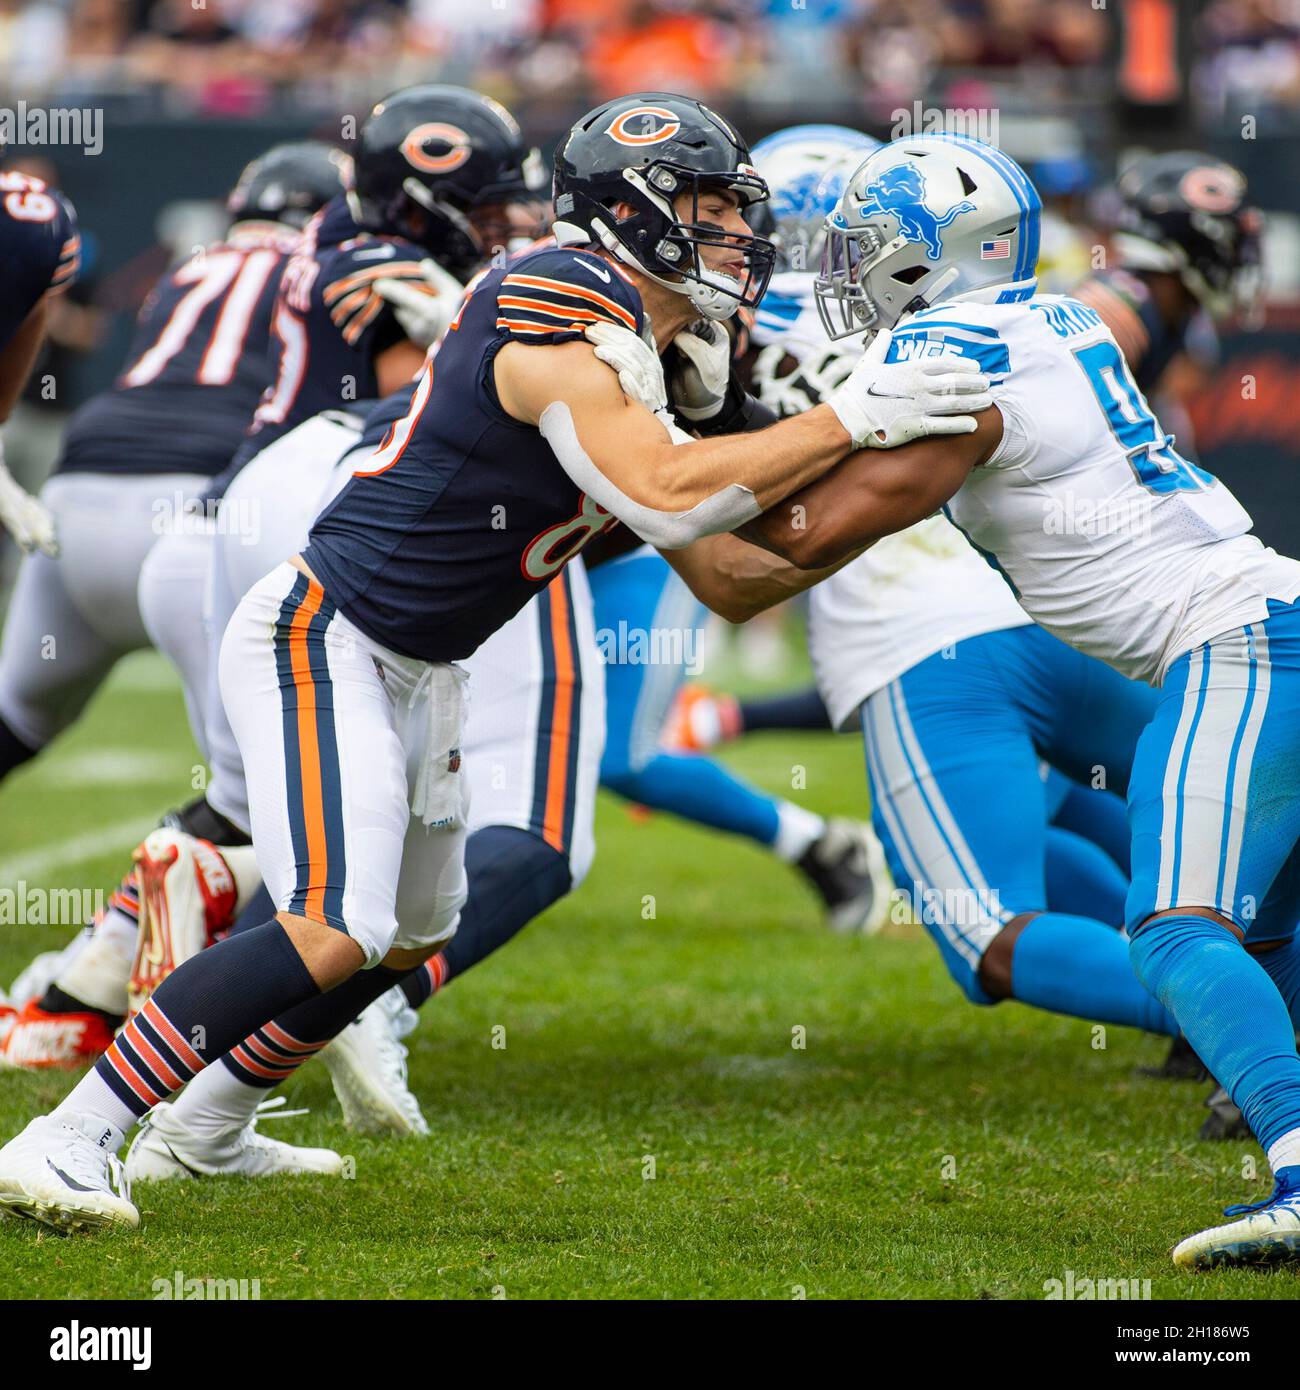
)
(846, 866)
(1181, 1064)
(1225, 1120)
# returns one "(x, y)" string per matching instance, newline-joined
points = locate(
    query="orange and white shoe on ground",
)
(35, 1040)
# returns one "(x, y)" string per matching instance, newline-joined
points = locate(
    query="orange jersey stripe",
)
(392, 270)
(557, 775)
(313, 805)
(580, 291)
(555, 312)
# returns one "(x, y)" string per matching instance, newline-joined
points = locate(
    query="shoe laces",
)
(96, 1167)
(117, 1177)
(1284, 1185)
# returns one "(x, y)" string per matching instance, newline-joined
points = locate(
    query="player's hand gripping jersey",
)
(197, 364)
(464, 513)
(39, 247)
(330, 322)
(1112, 540)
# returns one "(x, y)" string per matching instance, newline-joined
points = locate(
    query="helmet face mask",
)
(662, 156)
(923, 220)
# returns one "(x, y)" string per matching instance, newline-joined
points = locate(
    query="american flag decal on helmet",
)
(999, 249)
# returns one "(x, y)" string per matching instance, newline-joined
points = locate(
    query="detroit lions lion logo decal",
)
(900, 193)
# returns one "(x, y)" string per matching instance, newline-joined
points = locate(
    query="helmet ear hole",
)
(909, 275)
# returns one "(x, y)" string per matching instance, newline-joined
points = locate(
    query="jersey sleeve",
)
(553, 296)
(363, 317)
(68, 240)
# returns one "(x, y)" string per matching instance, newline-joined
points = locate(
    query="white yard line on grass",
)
(33, 864)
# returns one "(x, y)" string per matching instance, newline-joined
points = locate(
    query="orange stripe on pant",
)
(313, 807)
(557, 775)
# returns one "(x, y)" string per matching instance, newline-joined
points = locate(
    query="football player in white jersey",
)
(1127, 551)
(921, 632)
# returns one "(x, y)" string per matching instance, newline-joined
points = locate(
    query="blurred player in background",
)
(138, 453)
(40, 251)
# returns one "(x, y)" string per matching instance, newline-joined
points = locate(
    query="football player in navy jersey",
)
(339, 669)
(136, 455)
(1187, 244)
(442, 179)
(40, 252)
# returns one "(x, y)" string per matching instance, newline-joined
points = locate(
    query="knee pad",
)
(199, 819)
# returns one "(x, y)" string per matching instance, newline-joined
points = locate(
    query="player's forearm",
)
(737, 580)
(771, 463)
(872, 494)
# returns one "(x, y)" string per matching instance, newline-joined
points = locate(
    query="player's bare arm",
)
(634, 450)
(873, 493)
(738, 581)
(395, 366)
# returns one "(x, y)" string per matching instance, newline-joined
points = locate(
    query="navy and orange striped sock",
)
(204, 1008)
(271, 1054)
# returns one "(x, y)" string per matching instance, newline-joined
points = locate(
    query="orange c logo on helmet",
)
(1212, 188)
(458, 143)
(657, 123)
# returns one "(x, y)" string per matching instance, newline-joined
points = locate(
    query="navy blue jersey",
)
(464, 513)
(196, 368)
(39, 248)
(1127, 305)
(330, 323)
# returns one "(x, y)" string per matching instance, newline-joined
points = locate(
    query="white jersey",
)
(788, 315)
(1112, 540)
(910, 595)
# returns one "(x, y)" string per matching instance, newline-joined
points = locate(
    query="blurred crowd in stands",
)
(246, 57)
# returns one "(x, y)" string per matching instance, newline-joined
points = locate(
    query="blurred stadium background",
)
(191, 89)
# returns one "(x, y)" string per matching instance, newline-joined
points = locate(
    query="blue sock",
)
(1283, 968)
(1077, 966)
(1082, 879)
(701, 790)
(1232, 1013)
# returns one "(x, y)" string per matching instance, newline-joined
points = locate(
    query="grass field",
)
(915, 1147)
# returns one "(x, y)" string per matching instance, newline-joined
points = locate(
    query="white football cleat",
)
(367, 1064)
(1266, 1232)
(166, 1148)
(66, 1175)
(188, 895)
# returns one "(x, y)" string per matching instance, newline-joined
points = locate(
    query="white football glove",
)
(812, 380)
(701, 370)
(640, 372)
(27, 519)
(885, 404)
(423, 310)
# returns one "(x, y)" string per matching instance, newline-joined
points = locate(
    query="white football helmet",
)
(923, 220)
